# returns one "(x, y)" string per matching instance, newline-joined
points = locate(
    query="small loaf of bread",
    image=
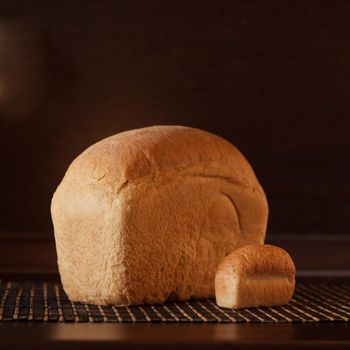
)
(253, 276)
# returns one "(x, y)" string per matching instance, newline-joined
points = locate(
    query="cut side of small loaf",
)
(255, 276)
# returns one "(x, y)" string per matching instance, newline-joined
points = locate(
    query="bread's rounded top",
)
(155, 150)
(254, 260)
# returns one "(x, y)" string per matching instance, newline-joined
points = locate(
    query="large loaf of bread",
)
(147, 215)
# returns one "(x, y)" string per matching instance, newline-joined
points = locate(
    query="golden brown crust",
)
(259, 259)
(255, 275)
(133, 154)
(150, 213)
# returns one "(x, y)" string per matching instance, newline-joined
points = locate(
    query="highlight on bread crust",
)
(253, 276)
(147, 215)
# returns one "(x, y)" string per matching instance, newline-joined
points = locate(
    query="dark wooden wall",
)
(273, 77)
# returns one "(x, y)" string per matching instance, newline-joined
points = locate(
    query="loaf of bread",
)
(146, 216)
(253, 276)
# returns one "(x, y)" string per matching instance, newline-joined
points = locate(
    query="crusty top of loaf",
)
(258, 260)
(150, 151)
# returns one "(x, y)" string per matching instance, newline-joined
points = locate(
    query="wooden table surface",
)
(34, 335)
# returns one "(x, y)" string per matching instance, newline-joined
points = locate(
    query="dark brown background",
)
(272, 77)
